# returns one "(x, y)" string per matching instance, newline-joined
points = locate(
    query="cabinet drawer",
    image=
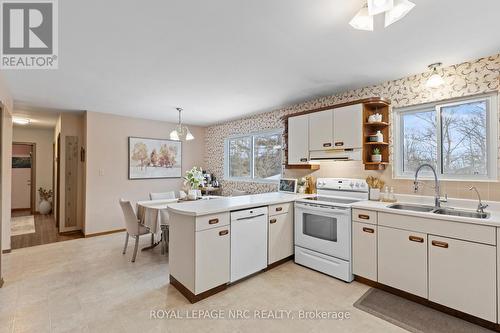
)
(364, 250)
(402, 260)
(364, 216)
(212, 258)
(462, 276)
(280, 208)
(212, 221)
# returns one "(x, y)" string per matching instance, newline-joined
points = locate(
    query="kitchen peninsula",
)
(216, 242)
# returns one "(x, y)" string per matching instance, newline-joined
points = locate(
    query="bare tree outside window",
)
(240, 153)
(267, 156)
(420, 139)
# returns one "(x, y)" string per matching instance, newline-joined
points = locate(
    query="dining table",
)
(153, 214)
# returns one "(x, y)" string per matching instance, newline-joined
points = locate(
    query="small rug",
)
(412, 316)
(21, 225)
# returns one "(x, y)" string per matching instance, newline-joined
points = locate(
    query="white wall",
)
(107, 151)
(44, 139)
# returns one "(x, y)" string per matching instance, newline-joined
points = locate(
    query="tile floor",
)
(86, 285)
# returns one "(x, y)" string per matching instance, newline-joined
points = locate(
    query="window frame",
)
(492, 139)
(227, 176)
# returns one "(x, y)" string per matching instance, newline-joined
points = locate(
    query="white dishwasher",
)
(248, 242)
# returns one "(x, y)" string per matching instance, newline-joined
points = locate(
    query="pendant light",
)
(379, 6)
(398, 11)
(394, 11)
(181, 132)
(435, 80)
(362, 20)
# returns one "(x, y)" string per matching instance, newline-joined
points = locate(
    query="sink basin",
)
(415, 208)
(463, 213)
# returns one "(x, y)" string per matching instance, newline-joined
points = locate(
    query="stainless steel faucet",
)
(437, 196)
(480, 206)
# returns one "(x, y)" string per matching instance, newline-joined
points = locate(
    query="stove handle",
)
(332, 210)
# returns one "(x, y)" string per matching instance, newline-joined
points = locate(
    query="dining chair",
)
(162, 195)
(133, 225)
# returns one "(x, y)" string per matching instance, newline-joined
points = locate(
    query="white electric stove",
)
(323, 226)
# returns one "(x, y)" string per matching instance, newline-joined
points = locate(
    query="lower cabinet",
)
(364, 250)
(280, 241)
(212, 258)
(402, 260)
(462, 276)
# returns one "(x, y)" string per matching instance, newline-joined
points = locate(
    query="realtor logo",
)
(29, 34)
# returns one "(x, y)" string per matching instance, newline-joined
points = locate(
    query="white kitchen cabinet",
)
(364, 250)
(462, 276)
(280, 235)
(402, 260)
(212, 258)
(298, 139)
(321, 130)
(348, 127)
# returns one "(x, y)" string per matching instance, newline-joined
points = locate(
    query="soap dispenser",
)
(380, 136)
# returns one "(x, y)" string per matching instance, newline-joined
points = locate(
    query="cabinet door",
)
(321, 130)
(364, 250)
(280, 241)
(348, 126)
(402, 260)
(298, 140)
(462, 276)
(212, 258)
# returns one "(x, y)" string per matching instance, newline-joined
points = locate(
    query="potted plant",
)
(192, 180)
(376, 155)
(45, 205)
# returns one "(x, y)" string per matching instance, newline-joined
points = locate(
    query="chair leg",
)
(152, 239)
(135, 248)
(126, 244)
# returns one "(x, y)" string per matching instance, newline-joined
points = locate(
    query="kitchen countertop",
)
(226, 204)
(493, 209)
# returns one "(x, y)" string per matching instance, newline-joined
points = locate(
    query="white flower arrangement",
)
(194, 178)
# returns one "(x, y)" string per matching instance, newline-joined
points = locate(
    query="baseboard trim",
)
(1, 282)
(66, 233)
(104, 233)
(280, 262)
(20, 209)
(192, 298)
(417, 299)
(7, 251)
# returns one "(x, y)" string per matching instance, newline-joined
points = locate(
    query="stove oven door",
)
(324, 229)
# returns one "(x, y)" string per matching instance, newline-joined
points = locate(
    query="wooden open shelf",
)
(369, 129)
(312, 167)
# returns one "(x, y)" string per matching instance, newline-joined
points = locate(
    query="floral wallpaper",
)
(468, 78)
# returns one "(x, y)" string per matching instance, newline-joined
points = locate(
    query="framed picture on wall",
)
(154, 158)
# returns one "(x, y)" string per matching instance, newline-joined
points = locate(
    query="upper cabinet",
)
(321, 130)
(298, 140)
(348, 127)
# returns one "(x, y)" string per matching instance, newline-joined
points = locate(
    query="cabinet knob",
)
(363, 216)
(223, 232)
(272, 221)
(213, 221)
(328, 144)
(369, 230)
(416, 239)
(444, 245)
(303, 159)
(279, 209)
(339, 144)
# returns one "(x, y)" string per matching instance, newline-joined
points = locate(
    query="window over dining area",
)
(459, 138)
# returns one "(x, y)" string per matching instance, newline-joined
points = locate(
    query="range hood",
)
(335, 155)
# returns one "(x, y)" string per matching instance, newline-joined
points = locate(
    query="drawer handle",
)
(444, 245)
(223, 232)
(327, 144)
(279, 209)
(369, 230)
(364, 217)
(416, 239)
(213, 221)
(339, 144)
(272, 221)
(303, 159)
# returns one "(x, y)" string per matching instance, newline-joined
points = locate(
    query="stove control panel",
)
(344, 184)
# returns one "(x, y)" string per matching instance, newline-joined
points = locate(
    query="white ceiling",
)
(39, 118)
(223, 59)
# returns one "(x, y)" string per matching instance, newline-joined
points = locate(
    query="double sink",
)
(441, 211)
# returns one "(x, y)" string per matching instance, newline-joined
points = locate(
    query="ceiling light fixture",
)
(181, 132)
(362, 20)
(394, 11)
(21, 121)
(398, 11)
(435, 80)
(379, 6)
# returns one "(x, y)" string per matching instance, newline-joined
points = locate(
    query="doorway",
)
(23, 177)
